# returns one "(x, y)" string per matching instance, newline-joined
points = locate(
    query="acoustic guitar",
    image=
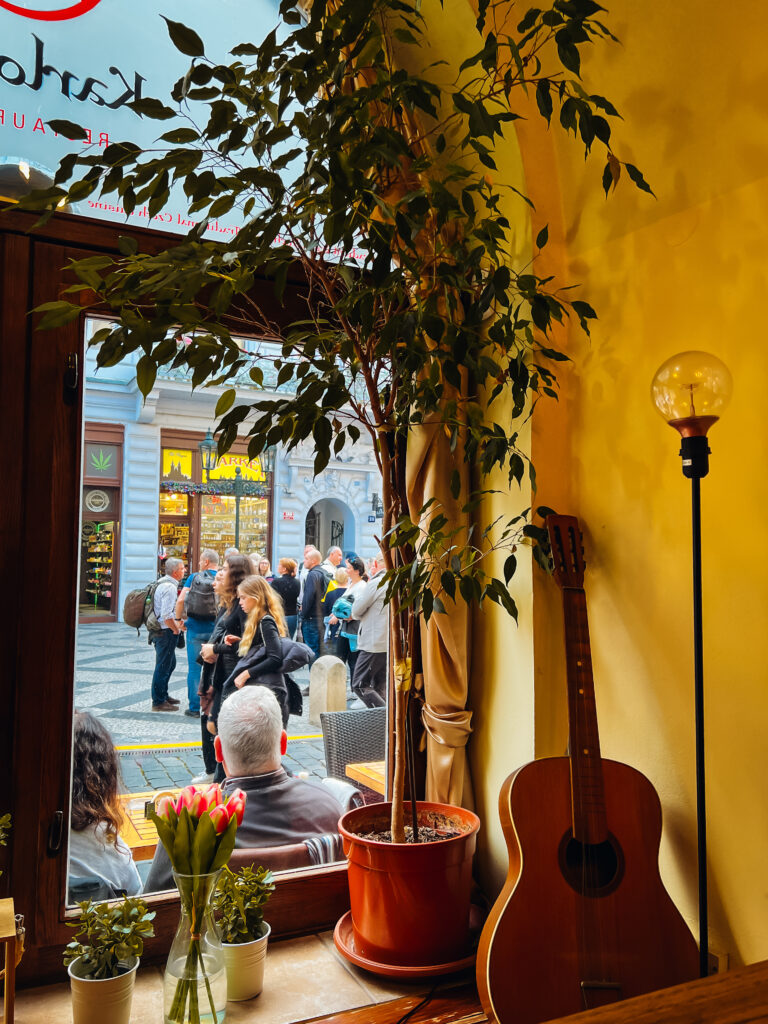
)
(583, 918)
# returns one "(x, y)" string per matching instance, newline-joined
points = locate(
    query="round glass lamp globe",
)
(691, 390)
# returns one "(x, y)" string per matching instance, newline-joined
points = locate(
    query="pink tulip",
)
(214, 795)
(163, 807)
(194, 806)
(219, 819)
(236, 805)
(186, 796)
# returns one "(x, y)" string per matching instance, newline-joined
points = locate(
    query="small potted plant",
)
(239, 904)
(103, 957)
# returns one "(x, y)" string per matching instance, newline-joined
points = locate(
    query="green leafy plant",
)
(239, 903)
(108, 935)
(373, 210)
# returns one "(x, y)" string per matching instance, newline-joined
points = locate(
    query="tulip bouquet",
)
(198, 832)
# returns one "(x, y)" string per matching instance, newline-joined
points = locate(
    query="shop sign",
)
(86, 61)
(101, 460)
(97, 501)
(371, 519)
(250, 469)
(289, 516)
(177, 464)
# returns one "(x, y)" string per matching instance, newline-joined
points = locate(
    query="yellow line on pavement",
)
(175, 746)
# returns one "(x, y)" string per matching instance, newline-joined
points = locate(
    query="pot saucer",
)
(344, 938)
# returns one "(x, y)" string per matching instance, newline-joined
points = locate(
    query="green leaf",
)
(225, 402)
(184, 39)
(181, 136)
(69, 130)
(542, 237)
(226, 846)
(638, 179)
(509, 568)
(203, 845)
(146, 373)
(57, 314)
(544, 99)
(182, 844)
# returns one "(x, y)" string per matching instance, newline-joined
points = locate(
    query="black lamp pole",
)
(238, 491)
(691, 390)
(695, 453)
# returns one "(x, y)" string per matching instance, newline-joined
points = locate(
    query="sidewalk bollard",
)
(327, 687)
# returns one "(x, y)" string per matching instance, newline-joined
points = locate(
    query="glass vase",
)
(195, 983)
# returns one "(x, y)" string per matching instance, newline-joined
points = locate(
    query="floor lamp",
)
(690, 390)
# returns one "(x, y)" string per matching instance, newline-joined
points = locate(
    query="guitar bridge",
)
(600, 993)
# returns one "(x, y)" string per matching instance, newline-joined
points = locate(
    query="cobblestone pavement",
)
(113, 672)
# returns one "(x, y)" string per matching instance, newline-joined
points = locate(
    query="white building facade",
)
(145, 496)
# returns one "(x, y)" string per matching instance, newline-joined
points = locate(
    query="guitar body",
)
(565, 936)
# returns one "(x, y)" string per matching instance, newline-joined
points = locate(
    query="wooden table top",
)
(138, 833)
(370, 773)
(739, 996)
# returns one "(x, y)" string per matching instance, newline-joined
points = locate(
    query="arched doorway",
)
(330, 523)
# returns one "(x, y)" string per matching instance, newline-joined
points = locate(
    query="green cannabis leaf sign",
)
(102, 461)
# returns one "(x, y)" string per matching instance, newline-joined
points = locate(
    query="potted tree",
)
(239, 905)
(371, 206)
(103, 958)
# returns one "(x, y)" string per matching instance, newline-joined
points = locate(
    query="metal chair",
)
(353, 736)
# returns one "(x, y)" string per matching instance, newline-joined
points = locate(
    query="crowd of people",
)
(221, 613)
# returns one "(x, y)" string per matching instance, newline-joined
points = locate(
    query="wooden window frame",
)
(40, 527)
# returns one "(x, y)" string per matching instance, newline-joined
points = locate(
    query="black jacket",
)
(263, 663)
(315, 586)
(215, 675)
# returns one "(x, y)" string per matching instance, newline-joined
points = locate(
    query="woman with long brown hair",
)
(264, 626)
(97, 855)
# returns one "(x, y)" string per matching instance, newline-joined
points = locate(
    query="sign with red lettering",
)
(289, 516)
(42, 11)
(86, 61)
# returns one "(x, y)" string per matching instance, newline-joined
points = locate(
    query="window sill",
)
(304, 979)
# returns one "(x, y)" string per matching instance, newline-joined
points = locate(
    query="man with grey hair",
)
(166, 639)
(280, 809)
(332, 562)
(197, 604)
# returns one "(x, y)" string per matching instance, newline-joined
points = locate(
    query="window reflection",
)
(145, 503)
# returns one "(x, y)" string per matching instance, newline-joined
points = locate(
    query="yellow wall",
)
(685, 271)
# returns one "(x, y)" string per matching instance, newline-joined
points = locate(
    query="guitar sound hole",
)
(591, 869)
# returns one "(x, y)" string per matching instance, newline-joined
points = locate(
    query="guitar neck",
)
(587, 792)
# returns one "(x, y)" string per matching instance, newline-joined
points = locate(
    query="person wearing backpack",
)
(197, 602)
(166, 637)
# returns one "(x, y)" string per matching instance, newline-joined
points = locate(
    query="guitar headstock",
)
(567, 551)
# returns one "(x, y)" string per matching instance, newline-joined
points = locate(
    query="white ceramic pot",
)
(245, 966)
(97, 1000)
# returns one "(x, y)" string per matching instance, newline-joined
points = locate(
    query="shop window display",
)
(217, 523)
(97, 566)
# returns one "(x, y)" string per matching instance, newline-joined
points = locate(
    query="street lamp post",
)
(209, 454)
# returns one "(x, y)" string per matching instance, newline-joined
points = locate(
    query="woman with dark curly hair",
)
(97, 854)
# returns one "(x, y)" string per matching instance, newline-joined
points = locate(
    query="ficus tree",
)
(370, 194)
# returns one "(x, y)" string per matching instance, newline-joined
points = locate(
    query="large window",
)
(100, 666)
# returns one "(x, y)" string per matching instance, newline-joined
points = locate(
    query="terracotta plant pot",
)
(244, 962)
(96, 1000)
(410, 902)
